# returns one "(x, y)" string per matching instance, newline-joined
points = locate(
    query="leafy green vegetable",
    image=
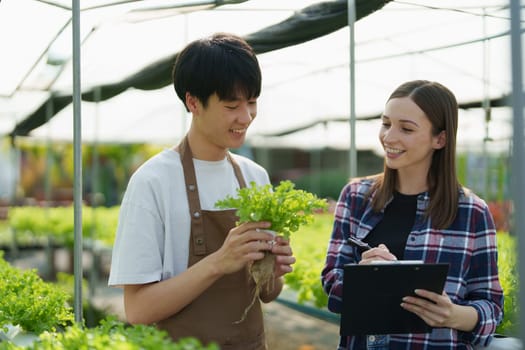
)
(110, 334)
(28, 301)
(284, 206)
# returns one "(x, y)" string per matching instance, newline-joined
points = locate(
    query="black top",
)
(396, 225)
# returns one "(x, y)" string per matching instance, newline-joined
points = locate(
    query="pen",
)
(360, 244)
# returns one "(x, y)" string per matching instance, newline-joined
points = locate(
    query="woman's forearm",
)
(465, 318)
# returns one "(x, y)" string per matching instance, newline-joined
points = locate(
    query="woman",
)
(417, 210)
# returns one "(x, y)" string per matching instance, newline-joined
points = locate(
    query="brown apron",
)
(212, 315)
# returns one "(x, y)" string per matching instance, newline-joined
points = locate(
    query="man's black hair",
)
(222, 63)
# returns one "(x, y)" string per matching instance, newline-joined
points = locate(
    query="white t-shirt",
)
(152, 239)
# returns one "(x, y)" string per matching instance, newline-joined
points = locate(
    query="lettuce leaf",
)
(284, 206)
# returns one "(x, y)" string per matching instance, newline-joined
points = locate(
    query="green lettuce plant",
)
(110, 334)
(31, 303)
(284, 206)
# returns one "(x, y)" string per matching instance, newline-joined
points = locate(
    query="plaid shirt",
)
(468, 245)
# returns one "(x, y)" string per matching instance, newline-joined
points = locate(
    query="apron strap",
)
(192, 191)
(237, 171)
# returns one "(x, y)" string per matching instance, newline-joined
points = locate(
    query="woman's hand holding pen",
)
(380, 252)
(369, 253)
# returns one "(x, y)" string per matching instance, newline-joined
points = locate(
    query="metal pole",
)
(486, 110)
(77, 154)
(517, 165)
(184, 113)
(353, 150)
(50, 252)
(94, 198)
(49, 159)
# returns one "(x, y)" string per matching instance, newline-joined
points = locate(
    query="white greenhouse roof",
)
(464, 45)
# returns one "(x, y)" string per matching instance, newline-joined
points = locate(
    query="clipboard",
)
(372, 296)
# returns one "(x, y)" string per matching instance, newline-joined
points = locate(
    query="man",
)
(182, 263)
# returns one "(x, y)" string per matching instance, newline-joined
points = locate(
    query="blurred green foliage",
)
(309, 245)
(508, 275)
(98, 223)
